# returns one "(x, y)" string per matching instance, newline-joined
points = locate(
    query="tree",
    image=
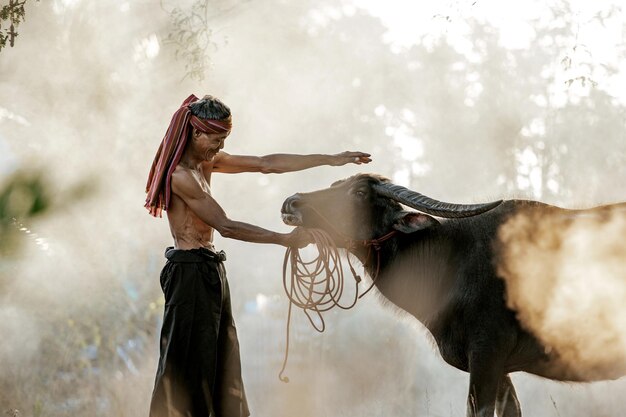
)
(14, 14)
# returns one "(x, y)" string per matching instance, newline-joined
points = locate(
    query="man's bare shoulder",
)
(185, 182)
(183, 174)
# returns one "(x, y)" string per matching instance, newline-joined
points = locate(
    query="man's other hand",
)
(351, 157)
(299, 238)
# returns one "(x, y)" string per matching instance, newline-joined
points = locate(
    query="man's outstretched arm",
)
(279, 163)
(210, 212)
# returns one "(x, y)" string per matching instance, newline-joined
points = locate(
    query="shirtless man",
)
(199, 371)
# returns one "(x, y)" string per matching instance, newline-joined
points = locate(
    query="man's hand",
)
(351, 157)
(298, 238)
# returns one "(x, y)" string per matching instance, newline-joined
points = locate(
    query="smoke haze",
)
(477, 105)
(565, 275)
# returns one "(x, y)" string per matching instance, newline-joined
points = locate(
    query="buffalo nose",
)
(291, 204)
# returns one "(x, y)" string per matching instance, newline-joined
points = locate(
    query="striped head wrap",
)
(170, 151)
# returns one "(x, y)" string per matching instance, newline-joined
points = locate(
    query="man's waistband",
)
(194, 255)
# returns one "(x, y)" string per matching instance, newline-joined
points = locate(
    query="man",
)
(199, 371)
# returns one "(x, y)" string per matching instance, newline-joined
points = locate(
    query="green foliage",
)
(80, 347)
(13, 14)
(190, 34)
(191, 37)
(24, 196)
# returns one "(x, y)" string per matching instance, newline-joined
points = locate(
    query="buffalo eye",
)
(360, 194)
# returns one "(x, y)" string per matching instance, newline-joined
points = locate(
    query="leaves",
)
(584, 81)
(191, 37)
(14, 14)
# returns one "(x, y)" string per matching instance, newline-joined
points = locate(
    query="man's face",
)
(209, 144)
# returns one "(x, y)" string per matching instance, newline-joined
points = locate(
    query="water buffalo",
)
(443, 272)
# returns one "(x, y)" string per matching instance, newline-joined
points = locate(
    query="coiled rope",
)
(317, 286)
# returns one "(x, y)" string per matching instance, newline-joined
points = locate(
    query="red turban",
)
(170, 151)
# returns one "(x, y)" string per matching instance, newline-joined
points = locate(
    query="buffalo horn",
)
(428, 205)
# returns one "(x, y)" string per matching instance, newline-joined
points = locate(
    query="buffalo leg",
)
(484, 381)
(507, 404)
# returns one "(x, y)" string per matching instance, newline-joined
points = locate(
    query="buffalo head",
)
(367, 206)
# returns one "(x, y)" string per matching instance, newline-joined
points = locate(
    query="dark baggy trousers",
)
(199, 372)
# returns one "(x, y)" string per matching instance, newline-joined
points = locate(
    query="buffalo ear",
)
(411, 221)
